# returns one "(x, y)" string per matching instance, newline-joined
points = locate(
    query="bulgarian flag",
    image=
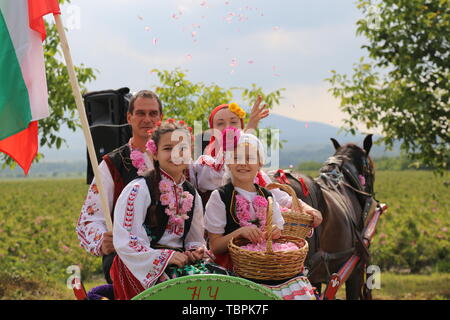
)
(23, 86)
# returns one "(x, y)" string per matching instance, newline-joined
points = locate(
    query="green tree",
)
(194, 101)
(60, 98)
(404, 89)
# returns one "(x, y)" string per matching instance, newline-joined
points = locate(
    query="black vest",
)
(155, 226)
(228, 196)
(120, 157)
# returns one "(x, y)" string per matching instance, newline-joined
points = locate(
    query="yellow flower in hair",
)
(233, 107)
(242, 114)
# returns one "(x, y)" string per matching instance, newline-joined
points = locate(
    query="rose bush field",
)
(38, 240)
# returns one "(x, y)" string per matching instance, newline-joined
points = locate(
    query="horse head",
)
(357, 164)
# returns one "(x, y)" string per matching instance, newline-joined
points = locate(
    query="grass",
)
(38, 240)
(435, 286)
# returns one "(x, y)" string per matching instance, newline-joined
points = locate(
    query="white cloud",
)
(324, 40)
(314, 103)
(310, 103)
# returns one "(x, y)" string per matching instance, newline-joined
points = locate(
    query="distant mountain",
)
(305, 141)
(310, 141)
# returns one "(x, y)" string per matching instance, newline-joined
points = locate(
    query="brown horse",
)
(343, 194)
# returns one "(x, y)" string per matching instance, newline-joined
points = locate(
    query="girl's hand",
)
(195, 255)
(251, 233)
(257, 114)
(317, 216)
(179, 259)
(276, 233)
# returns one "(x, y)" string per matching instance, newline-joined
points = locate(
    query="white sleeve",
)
(280, 196)
(91, 224)
(209, 173)
(277, 217)
(130, 238)
(215, 214)
(196, 236)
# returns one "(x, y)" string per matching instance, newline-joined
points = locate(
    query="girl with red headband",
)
(209, 169)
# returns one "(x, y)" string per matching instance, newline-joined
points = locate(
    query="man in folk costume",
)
(117, 169)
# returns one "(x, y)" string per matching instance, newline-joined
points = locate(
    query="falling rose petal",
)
(193, 33)
(307, 125)
(155, 40)
(139, 17)
(227, 2)
(148, 29)
(203, 3)
(189, 56)
(233, 62)
(250, 61)
(276, 28)
(174, 16)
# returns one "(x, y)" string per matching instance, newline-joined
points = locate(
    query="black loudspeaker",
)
(106, 112)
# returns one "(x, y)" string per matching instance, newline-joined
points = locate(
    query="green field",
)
(38, 240)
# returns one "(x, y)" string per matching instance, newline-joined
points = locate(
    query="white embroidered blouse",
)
(216, 215)
(130, 238)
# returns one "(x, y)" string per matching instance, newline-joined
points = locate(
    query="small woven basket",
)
(296, 222)
(269, 264)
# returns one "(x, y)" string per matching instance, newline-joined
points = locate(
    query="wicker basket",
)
(268, 265)
(296, 222)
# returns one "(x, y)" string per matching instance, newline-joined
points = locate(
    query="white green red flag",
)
(23, 85)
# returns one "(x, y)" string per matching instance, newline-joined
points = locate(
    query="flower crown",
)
(234, 107)
(151, 146)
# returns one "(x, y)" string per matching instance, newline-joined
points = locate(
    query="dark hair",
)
(144, 94)
(155, 175)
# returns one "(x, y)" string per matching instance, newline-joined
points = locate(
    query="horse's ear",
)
(335, 143)
(368, 143)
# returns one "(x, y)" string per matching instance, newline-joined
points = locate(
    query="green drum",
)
(207, 287)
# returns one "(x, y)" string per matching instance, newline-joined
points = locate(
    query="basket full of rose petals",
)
(274, 259)
(296, 222)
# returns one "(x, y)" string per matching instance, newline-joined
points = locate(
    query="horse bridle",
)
(347, 169)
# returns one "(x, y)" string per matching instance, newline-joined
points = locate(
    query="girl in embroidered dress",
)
(238, 209)
(209, 168)
(158, 220)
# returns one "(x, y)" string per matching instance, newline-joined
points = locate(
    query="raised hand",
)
(257, 114)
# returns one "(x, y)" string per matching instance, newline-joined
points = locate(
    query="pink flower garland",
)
(243, 211)
(177, 212)
(138, 161)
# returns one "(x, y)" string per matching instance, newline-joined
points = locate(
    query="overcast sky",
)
(291, 44)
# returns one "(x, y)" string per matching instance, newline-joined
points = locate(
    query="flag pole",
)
(83, 118)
